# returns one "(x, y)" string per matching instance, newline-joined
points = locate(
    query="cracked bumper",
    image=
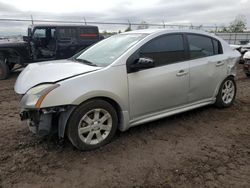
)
(43, 122)
(38, 122)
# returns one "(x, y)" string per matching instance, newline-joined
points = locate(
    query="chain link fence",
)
(13, 26)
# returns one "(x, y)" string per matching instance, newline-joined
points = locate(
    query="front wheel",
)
(4, 70)
(11, 66)
(92, 125)
(227, 93)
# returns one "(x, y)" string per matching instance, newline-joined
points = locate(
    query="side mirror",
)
(26, 38)
(142, 63)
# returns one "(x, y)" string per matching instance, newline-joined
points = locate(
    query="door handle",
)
(181, 73)
(220, 63)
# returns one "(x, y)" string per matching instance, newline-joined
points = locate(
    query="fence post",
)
(85, 20)
(32, 22)
(129, 25)
(235, 38)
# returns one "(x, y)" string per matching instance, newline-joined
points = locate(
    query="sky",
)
(203, 12)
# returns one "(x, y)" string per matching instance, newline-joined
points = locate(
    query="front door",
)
(164, 86)
(43, 44)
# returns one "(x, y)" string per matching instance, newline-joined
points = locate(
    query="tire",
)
(11, 65)
(4, 70)
(94, 133)
(227, 93)
(248, 75)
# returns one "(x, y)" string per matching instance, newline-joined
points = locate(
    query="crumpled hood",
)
(49, 72)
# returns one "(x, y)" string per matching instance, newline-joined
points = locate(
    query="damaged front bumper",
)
(43, 122)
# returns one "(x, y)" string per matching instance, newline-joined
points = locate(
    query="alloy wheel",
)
(228, 92)
(95, 126)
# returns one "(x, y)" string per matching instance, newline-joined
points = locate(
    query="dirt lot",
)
(207, 147)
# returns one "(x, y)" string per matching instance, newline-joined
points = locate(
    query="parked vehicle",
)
(242, 49)
(245, 48)
(126, 80)
(246, 58)
(46, 42)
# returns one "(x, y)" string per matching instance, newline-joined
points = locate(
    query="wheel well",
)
(231, 76)
(11, 55)
(63, 129)
(113, 103)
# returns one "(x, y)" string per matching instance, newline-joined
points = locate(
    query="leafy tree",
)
(222, 29)
(238, 24)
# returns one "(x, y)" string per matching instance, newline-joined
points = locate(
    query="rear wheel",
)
(4, 70)
(227, 93)
(92, 125)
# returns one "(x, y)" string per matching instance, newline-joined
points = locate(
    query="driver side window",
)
(165, 49)
(39, 33)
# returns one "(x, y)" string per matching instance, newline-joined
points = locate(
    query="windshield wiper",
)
(86, 62)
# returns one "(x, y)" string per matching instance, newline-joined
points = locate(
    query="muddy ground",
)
(206, 147)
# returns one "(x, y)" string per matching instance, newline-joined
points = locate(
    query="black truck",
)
(45, 42)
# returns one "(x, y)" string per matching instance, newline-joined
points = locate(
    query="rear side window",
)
(67, 33)
(165, 50)
(200, 46)
(88, 33)
(217, 47)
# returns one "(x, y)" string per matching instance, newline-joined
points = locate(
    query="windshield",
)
(107, 51)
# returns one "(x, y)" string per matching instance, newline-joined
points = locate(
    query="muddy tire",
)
(227, 93)
(4, 70)
(92, 125)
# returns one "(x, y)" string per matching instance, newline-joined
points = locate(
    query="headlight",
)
(35, 96)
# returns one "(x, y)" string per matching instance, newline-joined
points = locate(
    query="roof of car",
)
(153, 31)
(62, 25)
(163, 31)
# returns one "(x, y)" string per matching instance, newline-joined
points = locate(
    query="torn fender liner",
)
(43, 126)
(63, 119)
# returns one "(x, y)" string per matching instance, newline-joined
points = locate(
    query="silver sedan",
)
(126, 80)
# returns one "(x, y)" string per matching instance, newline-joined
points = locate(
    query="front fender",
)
(99, 94)
(110, 83)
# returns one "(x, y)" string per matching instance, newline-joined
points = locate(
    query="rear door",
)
(207, 66)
